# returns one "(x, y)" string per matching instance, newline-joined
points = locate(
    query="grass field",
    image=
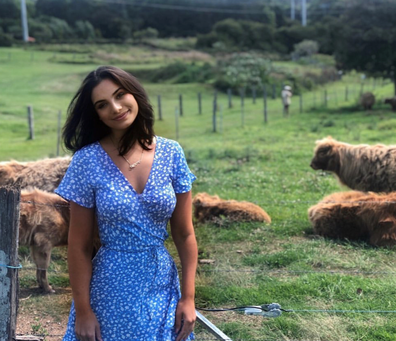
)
(246, 159)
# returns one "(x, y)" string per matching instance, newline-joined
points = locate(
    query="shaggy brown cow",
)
(367, 100)
(44, 174)
(208, 208)
(360, 167)
(391, 101)
(356, 216)
(44, 224)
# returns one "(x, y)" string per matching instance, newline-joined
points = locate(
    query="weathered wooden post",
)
(9, 264)
(229, 93)
(31, 122)
(159, 108)
(254, 94)
(59, 132)
(301, 103)
(214, 118)
(242, 94)
(265, 104)
(199, 103)
(181, 104)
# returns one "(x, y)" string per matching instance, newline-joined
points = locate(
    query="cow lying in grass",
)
(360, 167)
(356, 215)
(210, 208)
(44, 174)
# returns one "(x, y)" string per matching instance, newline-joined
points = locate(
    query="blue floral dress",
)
(135, 286)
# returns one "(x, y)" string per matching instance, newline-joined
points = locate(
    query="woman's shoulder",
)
(167, 143)
(87, 151)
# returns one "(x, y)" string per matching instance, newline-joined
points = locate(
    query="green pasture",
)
(245, 159)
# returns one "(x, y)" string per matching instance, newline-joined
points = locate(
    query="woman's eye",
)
(120, 94)
(101, 106)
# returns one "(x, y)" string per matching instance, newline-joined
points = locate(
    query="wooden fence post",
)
(9, 234)
(59, 132)
(265, 105)
(229, 93)
(31, 122)
(159, 108)
(301, 103)
(181, 104)
(254, 94)
(214, 118)
(242, 94)
(199, 103)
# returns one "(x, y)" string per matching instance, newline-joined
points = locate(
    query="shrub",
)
(6, 39)
(307, 48)
(242, 70)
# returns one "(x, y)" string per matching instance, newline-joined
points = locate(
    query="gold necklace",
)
(131, 165)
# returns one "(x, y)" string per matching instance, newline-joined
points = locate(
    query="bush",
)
(6, 40)
(307, 48)
(242, 70)
(179, 72)
(148, 33)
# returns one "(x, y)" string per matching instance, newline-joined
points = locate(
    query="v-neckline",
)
(122, 174)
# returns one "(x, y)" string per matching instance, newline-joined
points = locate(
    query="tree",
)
(368, 39)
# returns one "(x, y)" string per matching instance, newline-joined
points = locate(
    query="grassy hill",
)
(246, 159)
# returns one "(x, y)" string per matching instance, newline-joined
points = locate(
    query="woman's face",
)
(116, 107)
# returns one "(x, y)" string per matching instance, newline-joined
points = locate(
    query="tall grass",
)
(267, 164)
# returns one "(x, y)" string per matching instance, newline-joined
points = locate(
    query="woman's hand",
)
(87, 327)
(185, 318)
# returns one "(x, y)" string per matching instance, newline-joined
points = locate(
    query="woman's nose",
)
(117, 106)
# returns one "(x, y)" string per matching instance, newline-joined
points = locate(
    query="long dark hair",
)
(83, 125)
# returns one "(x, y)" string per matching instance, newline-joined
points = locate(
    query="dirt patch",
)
(42, 314)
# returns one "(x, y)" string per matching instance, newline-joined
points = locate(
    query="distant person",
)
(286, 98)
(132, 183)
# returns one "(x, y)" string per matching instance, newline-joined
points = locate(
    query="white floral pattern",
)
(135, 284)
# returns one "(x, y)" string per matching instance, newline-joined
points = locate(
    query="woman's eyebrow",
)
(102, 100)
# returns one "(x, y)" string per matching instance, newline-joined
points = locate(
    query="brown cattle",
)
(356, 216)
(208, 208)
(44, 224)
(391, 101)
(360, 167)
(44, 174)
(367, 100)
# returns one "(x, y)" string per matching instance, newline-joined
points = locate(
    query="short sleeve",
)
(76, 185)
(182, 176)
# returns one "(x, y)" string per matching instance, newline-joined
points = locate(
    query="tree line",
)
(359, 33)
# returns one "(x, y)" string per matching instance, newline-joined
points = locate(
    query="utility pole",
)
(304, 12)
(24, 21)
(293, 9)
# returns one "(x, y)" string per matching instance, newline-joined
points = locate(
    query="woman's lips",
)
(122, 116)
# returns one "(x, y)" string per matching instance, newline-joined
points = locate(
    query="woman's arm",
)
(184, 238)
(79, 254)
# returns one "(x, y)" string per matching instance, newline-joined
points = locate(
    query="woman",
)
(132, 183)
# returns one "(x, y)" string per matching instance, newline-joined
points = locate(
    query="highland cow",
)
(356, 215)
(367, 100)
(44, 224)
(210, 208)
(360, 167)
(391, 101)
(44, 174)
